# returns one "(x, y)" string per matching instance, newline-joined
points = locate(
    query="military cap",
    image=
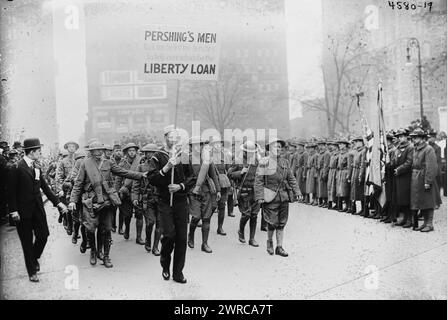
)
(418, 132)
(116, 146)
(130, 145)
(150, 147)
(95, 145)
(249, 146)
(71, 142)
(300, 143)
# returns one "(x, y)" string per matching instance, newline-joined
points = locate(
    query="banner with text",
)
(173, 52)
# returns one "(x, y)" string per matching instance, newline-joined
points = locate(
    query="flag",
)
(378, 153)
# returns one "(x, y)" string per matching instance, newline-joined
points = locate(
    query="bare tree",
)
(220, 100)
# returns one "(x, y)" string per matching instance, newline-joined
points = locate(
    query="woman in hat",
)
(274, 174)
(423, 181)
(243, 172)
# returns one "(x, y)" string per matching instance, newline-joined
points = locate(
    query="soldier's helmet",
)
(108, 147)
(280, 141)
(357, 138)
(79, 155)
(90, 142)
(196, 140)
(418, 132)
(401, 132)
(343, 141)
(71, 142)
(150, 147)
(130, 145)
(249, 146)
(96, 145)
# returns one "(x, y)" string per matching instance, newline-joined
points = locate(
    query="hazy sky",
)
(303, 18)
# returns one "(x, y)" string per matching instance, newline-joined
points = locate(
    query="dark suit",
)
(26, 199)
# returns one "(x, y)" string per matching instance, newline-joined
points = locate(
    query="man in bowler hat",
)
(26, 205)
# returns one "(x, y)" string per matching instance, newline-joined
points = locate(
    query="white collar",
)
(28, 161)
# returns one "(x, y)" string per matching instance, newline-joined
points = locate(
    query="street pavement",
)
(332, 255)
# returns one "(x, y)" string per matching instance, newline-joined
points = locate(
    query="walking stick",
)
(175, 154)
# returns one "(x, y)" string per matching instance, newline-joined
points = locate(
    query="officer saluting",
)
(174, 219)
(26, 205)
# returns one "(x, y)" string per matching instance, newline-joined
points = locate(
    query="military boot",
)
(91, 236)
(241, 231)
(83, 246)
(107, 245)
(120, 223)
(205, 234)
(127, 227)
(192, 229)
(270, 247)
(139, 226)
(99, 245)
(428, 217)
(252, 241)
(220, 221)
(74, 238)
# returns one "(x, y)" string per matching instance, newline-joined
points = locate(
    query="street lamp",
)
(413, 42)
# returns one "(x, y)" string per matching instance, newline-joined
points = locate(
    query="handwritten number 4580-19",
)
(407, 6)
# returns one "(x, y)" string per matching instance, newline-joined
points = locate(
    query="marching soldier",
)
(77, 216)
(164, 166)
(332, 176)
(205, 189)
(342, 176)
(63, 170)
(323, 171)
(403, 160)
(311, 173)
(145, 200)
(222, 163)
(130, 161)
(108, 151)
(423, 178)
(432, 142)
(94, 187)
(358, 174)
(232, 192)
(244, 171)
(117, 154)
(274, 173)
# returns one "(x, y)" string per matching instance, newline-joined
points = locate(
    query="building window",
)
(116, 93)
(150, 92)
(116, 77)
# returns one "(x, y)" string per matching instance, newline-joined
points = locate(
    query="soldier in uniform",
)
(3, 177)
(222, 163)
(145, 200)
(343, 175)
(298, 167)
(432, 142)
(77, 216)
(62, 172)
(108, 151)
(332, 176)
(117, 154)
(94, 187)
(274, 173)
(206, 187)
(311, 173)
(323, 172)
(423, 179)
(403, 160)
(130, 161)
(164, 167)
(358, 174)
(244, 172)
